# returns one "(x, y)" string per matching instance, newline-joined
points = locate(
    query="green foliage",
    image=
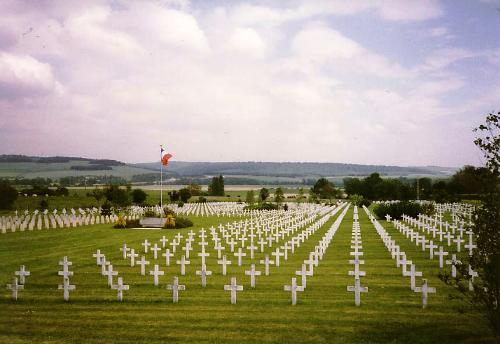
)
(173, 195)
(359, 200)
(8, 195)
(106, 208)
(398, 209)
(263, 194)
(489, 142)
(216, 186)
(184, 195)
(180, 204)
(183, 222)
(150, 213)
(117, 196)
(375, 188)
(300, 195)
(44, 204)
(279, 196)
(139, 196)
(250, 197)
(262, 206)
(323, 188)
(202, 199)
(97, 193)
(194, 189)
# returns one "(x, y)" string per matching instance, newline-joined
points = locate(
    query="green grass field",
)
(325, 313)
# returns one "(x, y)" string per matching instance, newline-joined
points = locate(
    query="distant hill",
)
(293, 169)
(21, 166)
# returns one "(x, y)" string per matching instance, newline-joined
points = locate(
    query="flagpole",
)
(161, 182)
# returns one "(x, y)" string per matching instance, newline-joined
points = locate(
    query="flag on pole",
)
(165, 157)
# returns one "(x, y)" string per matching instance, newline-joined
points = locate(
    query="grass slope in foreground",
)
(325, 312)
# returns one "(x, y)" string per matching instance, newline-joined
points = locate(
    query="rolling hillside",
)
(19, 166)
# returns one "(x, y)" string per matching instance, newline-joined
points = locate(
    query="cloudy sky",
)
(374, 82)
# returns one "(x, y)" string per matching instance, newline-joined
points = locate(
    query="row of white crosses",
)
(175, 287)
(107, 270)
(211, 209)
(315, 257)
(401, 260)
(18, 282)
(458, 210)
(458, 238)
(187, 248)
(453, 262)
(53, 220)
(357, 247)
(203, 272)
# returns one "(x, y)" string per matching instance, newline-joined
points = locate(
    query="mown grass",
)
(389, 313)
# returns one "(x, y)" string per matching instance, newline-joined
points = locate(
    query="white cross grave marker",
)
(233, 288)
(294, 288)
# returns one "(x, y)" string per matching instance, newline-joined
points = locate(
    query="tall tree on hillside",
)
(323, 188)
(216, 186)
(263, 194)
(279, 196)
(250, 197)
(485, 259)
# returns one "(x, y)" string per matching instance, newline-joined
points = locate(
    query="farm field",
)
(325, 311)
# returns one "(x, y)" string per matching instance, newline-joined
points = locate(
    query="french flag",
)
(165, 156)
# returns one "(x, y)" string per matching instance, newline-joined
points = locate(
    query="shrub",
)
(396, 210)
(44, 204)
(183, 222)
(120, 222)
(184, 195)
(8, 195)
(180, 204)
(138, 196)
(170, 222)
(359, 200)
(132, 223)
(106, 208)
(202, 199)
(262, 206)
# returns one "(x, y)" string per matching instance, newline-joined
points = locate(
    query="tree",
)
(184, 195)
(279, 195)
(300, 195)
(194, 189)
(138, 196)
(8, 195)
(250, 197)
(117, 196)
(485, 259)
(323, 188)
(174, 196)
(216, 186)
(489, 142)
(263, 194)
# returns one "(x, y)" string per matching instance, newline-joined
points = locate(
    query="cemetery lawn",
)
(325, 313)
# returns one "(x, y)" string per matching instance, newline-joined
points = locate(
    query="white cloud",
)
(247, 41)
(24, 76)
(229, 83)
(319, 44)
(442, 58)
